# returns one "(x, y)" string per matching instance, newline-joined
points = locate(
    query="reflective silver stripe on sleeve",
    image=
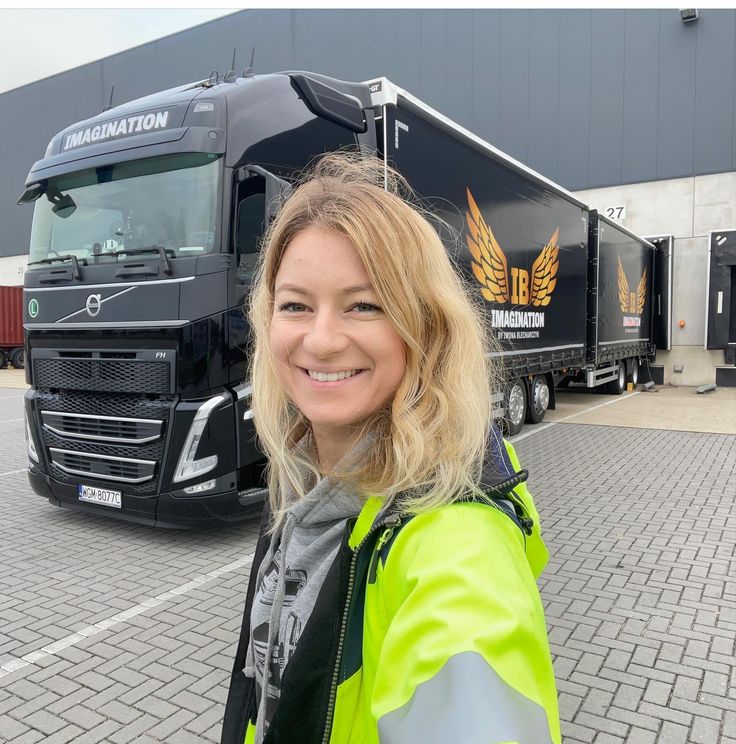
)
(466, 701)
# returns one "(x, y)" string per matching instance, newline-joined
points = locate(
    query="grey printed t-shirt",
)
(289, 580)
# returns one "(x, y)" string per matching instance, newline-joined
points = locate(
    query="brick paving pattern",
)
(639, 596)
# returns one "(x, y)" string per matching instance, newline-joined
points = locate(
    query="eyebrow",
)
(302, 290)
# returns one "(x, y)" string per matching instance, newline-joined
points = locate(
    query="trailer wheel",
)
(515, 408)
(18, 358)
(617, 386)
(3, 359)
(538, 400)
(634, 374)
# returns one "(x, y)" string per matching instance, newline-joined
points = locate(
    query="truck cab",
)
(146, 232)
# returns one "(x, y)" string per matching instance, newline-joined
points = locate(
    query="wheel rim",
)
(541, 395)
(516, 404)
(635, 373)
(622, 375)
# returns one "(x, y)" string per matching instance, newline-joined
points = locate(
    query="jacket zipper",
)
(376, 557)
(393, 520)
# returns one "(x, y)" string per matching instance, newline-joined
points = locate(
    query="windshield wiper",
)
(56, 259)
(147, 249)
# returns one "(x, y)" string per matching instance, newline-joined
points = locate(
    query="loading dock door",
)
(720, 318)
(662, 310)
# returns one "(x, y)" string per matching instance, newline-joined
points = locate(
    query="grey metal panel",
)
(546, 86)
(606, 97)
(408, 64)
(514, 84)
(385, 43)
(574, 133)
(29, 117)
(544, 94)
(432, 24)
(458, 70)
(676, 109)
(315, 33)
(641, 92)
(486, 74)
(714, 90)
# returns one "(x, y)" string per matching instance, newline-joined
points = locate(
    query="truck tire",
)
(3, 359)
(515, 407)
(18, 358)
(634, 373)
(538, 400)
(617, 386)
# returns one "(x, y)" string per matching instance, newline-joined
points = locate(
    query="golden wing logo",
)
(490, 265)
(631, 302)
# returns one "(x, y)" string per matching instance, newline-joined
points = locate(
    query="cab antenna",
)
(109, 104)
(249, 71)
(230, 75)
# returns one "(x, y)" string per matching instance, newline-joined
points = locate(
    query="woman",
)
(392, 596)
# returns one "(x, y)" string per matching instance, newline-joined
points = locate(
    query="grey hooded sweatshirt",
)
(289, 580)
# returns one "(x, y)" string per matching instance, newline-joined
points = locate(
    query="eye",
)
(285, 305)
(367, 304)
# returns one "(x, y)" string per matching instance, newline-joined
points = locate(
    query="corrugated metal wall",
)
(589, 98)
(11, 316)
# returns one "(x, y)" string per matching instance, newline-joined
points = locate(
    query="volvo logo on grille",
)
(93, 304)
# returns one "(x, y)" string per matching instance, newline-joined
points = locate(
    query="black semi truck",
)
(145, 236)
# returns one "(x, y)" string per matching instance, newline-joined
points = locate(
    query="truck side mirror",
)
(277, 189)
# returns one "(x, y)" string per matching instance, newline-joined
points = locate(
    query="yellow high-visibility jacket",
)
(428, 629)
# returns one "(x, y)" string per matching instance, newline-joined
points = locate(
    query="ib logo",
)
(33, 307)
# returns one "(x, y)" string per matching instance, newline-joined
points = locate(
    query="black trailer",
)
(543, 262)
(145, 235)
(621, 280)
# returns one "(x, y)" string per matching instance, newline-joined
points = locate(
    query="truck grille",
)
(102, 374)
(108, 437)
(106, 467)
(102, 428)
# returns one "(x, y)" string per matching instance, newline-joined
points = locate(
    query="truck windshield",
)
(168, 201)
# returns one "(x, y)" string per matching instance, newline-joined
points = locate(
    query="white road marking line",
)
(14, 472)
(539, 428)
(618, 399)
(121, 617)
(9, 421)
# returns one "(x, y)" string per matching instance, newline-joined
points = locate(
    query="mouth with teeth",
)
(323, 378)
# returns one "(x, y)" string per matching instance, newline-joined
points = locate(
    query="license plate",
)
(103, 496)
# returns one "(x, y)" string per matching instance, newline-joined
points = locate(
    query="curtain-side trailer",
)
(621, 280)
(545, 264)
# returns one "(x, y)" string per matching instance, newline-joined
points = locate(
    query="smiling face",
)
(319, 326)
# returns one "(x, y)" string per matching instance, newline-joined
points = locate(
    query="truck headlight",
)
(188, 466)
(30, 444)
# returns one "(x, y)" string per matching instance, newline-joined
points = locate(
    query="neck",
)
(331, 449)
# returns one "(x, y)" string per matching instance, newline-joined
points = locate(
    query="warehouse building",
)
(633, 110)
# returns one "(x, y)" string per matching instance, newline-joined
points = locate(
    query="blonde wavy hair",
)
(430, 440)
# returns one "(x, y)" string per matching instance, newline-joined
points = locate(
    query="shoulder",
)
(470, 544)
(464, 559)
(462, 527)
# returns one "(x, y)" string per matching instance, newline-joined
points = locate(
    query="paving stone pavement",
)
(639, 596)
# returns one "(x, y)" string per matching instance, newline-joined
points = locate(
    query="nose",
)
(324, 337)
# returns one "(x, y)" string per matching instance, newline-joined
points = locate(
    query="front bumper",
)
(164, 510)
